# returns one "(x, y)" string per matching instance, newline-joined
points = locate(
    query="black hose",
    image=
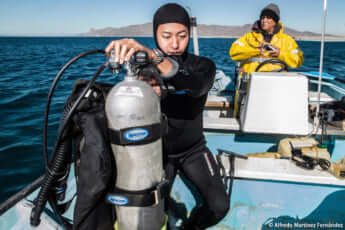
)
(57, 167)
(58, 154)
(40, 201)
(51, 92)
(21, 195)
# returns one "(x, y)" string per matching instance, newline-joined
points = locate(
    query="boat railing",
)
(340, 91)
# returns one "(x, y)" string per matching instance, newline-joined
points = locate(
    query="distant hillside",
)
(145, 30)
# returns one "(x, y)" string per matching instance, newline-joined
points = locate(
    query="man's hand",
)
(275, 52)
(125, 48)
(261, 49)
(267, 48)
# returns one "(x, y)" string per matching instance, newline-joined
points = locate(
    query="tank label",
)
(117, 199)
(136, 134)
(129, 91)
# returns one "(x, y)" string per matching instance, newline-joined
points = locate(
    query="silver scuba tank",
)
(132, 107)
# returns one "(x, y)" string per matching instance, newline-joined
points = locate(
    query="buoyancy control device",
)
(135, 128)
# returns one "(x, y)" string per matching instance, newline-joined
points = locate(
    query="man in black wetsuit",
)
(184, 146)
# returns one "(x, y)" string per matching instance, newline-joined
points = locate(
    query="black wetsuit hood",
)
(170, 13)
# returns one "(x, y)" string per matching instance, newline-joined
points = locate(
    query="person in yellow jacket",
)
(266, 41)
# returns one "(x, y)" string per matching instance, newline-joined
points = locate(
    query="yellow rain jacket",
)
(246, 47)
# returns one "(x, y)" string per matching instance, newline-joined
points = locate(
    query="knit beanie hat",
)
(170, 13)
(271, 10)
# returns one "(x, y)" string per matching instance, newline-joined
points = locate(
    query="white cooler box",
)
(276, 103)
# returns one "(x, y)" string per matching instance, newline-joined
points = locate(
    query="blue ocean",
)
(28, 66)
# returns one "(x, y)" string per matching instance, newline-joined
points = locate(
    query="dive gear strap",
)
(138, 135)
(143, 198)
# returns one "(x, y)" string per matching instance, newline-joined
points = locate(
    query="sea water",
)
(28, 66)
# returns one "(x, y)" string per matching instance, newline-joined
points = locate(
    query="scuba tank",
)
(135, 129)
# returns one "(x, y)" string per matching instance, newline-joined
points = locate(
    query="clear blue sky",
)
(77, 16)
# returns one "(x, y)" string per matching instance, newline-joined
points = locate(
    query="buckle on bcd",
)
(161, 191)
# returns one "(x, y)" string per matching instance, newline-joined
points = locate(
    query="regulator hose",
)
(51, 92)
(54, 168)
(57, 166)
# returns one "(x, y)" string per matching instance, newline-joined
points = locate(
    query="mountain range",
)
(145, 30)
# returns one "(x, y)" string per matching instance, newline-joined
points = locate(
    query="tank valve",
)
(114, 66)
